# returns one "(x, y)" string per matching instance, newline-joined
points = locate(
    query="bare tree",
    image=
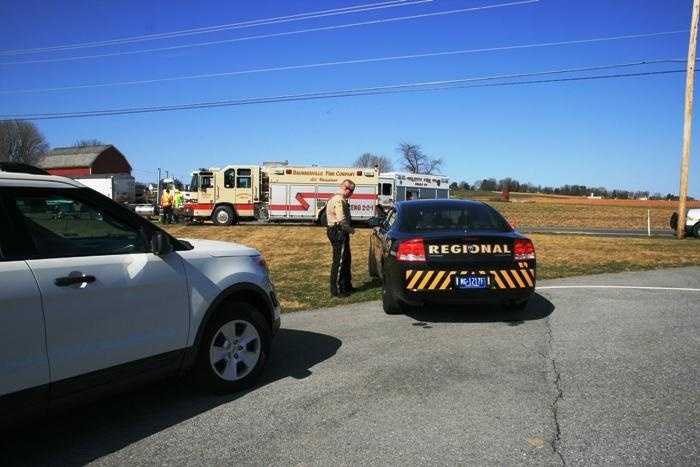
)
(79, 143)
(371, 160)
(21, 141)
(414, 160)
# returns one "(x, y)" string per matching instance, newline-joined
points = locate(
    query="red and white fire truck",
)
(276, 193)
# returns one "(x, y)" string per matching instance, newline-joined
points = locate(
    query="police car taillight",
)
(411, 250)
(523, 249)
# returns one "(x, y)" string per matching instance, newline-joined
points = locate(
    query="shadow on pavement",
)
(90, 432)
(538, 307)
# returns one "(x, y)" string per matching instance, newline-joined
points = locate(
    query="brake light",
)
(411, 250)
(523, 249)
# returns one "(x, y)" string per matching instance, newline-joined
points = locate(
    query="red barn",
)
(85, 160)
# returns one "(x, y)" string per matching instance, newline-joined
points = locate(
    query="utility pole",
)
(158, 190)
(689, 84)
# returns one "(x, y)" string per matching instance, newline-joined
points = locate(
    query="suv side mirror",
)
(160, 244)
(375, 221)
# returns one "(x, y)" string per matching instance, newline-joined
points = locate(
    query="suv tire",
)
(234, 349)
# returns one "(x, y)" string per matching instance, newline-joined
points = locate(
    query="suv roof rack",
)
(18, 167)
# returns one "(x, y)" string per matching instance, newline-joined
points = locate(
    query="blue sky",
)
(621, 133)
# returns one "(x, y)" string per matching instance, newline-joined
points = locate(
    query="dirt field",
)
(299, 257)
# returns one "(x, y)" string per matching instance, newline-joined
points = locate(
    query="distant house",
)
(85, 160)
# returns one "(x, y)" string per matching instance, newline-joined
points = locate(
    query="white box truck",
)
(118, 187)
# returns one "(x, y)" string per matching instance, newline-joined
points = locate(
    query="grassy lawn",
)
(300, 256)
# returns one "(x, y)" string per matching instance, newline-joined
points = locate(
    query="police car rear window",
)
(451, 217)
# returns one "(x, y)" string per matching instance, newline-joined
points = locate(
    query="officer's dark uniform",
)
(338, 231)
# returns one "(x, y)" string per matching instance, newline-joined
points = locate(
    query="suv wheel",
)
(234, 349)
(696, 230)
(224, 215)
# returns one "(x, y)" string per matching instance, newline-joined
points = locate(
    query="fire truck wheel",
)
(223, 215)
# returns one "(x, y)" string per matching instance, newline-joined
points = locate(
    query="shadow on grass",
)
(93, 431)
(538, 307)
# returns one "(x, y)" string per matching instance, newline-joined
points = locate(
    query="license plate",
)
(472, 282)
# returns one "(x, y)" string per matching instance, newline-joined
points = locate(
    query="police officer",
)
(338, 231)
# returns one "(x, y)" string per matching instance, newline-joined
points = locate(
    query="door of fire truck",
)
(203, 188)
(239, 187)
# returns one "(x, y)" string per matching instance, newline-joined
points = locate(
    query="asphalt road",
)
(583, 376)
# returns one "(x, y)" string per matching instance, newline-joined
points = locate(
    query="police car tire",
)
(204, 374)
(227, 210)
(390, 305)
(696, 230)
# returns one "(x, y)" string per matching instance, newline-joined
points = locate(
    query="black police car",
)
(450, 252)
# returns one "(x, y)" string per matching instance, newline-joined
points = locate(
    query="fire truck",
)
(400, 186)
(276, 193)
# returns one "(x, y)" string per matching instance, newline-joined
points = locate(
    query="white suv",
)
(93, 297)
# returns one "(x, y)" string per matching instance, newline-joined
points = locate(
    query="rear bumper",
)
(417, 286)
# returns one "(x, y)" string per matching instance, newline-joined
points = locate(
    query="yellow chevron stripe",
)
(532, 274)
(517, 278)
(427, 276)
(526, 275)
(414, 279)
(448, 280)
(408, 274)
(500, 283)
(507, 278)
(435, 283)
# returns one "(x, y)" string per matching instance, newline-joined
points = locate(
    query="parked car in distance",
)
(450, 252)
(692, 222)
(95, 298)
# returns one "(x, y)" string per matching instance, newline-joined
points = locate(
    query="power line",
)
(221, 27)
(344, 62)
(278, 34)
(388, 89)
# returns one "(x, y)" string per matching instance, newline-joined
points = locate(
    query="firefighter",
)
(166, 206)
(338, 231)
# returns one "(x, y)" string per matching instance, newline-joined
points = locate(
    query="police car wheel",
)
(234, 349)
(696, 230)
(390, 305)
(223, 216)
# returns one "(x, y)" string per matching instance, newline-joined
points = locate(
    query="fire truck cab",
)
(276, 193)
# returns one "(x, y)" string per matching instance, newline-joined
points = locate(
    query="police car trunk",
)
(465, 265)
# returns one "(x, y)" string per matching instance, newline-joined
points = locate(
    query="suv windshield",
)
(435, 217)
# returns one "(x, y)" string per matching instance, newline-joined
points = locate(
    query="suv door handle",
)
(71, 280)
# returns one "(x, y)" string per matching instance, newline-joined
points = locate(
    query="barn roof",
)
(72, 156)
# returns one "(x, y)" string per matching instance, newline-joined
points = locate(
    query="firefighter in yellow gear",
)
(339, 230)
(166, 206)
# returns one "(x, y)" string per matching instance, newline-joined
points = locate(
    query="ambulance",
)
(277, 193)
(400, 186)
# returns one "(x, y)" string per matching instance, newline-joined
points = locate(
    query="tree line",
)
(511, 184)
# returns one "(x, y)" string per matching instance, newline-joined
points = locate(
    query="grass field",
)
(537, 210)
(299, 257)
